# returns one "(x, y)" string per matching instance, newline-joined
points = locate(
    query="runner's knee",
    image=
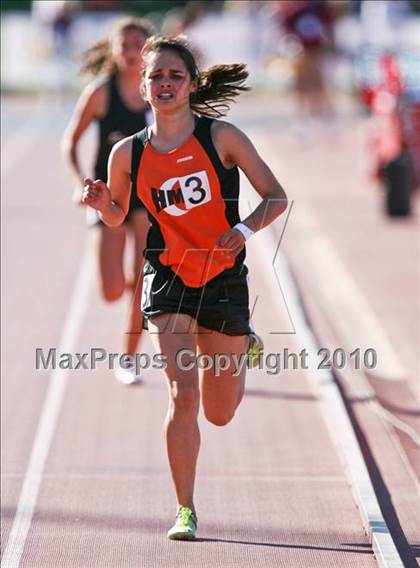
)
(219, 418)
(185, 401)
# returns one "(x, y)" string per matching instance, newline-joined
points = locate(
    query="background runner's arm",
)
(85, 113)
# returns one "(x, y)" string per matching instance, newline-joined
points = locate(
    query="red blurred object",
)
(395, 144)
(392, 82)
(399, 118)
(384, 100)
(366, 95)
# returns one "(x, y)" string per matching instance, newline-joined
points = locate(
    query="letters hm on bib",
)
(189, 209)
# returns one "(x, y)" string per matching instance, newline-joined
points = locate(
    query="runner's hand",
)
(233, 241)
(96, 194)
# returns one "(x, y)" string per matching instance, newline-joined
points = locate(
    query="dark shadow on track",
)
(289, 546)
(356, 544)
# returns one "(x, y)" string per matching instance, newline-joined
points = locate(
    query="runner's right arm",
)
(112, 200)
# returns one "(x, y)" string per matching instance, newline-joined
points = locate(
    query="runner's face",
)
(126, 48)
(167, 82)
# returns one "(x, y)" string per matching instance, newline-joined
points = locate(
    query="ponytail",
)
(97, 59)
(218, 86)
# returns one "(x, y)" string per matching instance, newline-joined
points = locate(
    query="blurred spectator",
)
(390, 142)
(57, 17)
(178, 20)
(309, 23)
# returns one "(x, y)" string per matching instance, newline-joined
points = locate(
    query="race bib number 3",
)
(196, 189)
(177, 195)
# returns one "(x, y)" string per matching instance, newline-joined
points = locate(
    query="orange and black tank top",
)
(191, 199)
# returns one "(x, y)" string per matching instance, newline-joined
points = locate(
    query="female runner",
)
(115, 103)
(195, 298)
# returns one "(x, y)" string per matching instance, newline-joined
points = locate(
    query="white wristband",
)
(244, 230)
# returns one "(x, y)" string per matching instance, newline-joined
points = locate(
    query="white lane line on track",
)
(49, 415)
(332, 407)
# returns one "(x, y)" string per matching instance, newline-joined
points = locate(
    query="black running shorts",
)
(220, 305)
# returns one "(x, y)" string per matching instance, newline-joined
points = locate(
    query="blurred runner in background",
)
(195, 300)
(115, 103)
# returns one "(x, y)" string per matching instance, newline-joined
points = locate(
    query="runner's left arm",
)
(235, 148)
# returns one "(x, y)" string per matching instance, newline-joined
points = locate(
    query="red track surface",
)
(271, 490)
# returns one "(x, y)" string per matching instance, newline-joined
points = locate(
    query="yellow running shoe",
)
(185, 525)
(255, 349)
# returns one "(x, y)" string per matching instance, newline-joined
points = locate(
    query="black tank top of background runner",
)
(118, 123)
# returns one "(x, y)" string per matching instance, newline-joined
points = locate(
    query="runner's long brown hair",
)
(217, 87)
(98, 57)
